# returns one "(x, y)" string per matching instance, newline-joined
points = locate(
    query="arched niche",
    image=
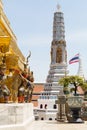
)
(59, 55)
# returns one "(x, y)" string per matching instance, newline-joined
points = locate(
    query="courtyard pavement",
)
(54, 125)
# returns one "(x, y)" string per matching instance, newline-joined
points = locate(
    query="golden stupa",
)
(11, 58)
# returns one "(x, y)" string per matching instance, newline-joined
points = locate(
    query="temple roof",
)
(7, 36)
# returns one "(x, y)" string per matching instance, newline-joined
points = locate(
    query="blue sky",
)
(32, 23)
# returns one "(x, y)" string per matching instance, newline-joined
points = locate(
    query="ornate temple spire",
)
(58, 66)
(80, 69)
(58, 25)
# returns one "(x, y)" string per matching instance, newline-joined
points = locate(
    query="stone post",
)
(61, 115)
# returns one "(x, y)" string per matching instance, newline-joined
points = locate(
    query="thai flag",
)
(74, 59)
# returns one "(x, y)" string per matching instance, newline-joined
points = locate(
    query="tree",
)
(84, 86)
(65, 83)
(75, 80)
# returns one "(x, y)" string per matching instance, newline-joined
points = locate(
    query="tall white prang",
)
(47, 108)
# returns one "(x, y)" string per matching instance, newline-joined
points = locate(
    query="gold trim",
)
(4, 40)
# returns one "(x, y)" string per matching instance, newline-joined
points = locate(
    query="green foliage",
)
(75, 80)
(64, 81)
(84, 86)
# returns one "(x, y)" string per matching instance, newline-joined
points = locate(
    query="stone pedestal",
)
(61, 116)
(75, 103)
(16, 115)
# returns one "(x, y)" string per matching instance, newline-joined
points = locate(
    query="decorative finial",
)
(59, 8)
(28, 56)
